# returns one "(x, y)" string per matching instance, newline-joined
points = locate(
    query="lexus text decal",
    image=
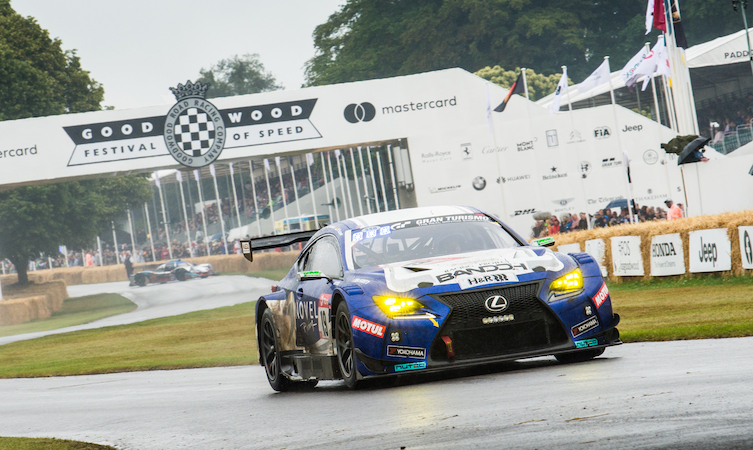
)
(194, 131)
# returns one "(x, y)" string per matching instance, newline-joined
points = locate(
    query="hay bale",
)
(20, 310)
(647, 230)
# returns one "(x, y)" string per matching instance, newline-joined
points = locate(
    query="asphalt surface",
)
(162, 300)
(683, 395)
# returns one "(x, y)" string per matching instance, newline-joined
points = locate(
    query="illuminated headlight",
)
(397, 306)
(567, 283)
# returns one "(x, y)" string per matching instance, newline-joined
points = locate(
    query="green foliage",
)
(369, 39)
(238, 76)
(539, 85)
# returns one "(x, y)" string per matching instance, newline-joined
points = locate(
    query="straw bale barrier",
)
(730, 221)
(35, 301)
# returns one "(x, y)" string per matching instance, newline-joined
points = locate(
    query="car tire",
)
(180, 274)
(270, 355)
(581, 356)
(140, 279)
(346, 355)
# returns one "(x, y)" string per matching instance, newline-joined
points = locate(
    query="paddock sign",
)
(709, 250)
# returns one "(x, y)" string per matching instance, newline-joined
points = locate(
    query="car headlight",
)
(393, 306)
(567, 283)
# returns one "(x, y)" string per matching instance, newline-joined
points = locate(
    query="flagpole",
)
(326, 188)
(567, 87)
(295, 189)
(373, 179)
(355, 181)
(365, 183)
(392, 176)
(342, 185)
(626, 159)
(334, 190)
(282, 186)
(609, 75)
(203, 211)
(235, 198)
(130, 228)
(149, 228)
(525, 82)
(179, 176)
(653, 89)
(164, 216)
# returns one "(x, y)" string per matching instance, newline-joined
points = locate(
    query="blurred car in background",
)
(171, 271)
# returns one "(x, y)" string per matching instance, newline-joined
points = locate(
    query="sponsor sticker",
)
(367, 326)
(586, 343)
(472, 282)
(587, 325)
(410, 366)
(406, 352)
(601, 296)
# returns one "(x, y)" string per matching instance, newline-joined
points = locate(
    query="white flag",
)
(597, 78)
(650, 65)
(212, 171)
(266, 164)
(196, 175)
(277, 161)
(628, 71)
(231, 170)
(156, 179)
(649, 16)
(337, 153)
(310, 159)
(179, 176)
(561, 88)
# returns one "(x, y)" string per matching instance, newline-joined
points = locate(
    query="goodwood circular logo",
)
(650, 157)
(194, 130)
(361, 112)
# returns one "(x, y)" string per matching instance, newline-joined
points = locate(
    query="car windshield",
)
(425, 238)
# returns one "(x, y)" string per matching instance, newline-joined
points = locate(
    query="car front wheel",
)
(346, 356)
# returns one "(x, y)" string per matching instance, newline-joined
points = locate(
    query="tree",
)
(37, 78)
(369, 39)
(539, 86)
(238, 76)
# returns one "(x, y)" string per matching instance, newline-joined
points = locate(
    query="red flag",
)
(516, 88)
(660, 16)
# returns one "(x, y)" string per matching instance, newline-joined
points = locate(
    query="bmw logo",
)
(496, 303)
(362, 112)
(479, 183)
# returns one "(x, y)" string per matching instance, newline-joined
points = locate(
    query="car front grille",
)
(525, 325)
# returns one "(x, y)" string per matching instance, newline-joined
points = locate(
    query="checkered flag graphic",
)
(194, 132)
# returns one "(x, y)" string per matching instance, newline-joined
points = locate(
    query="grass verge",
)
(218, 337)
(14, 443)
(75, 311)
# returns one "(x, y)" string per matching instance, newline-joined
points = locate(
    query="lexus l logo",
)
(362, 112)
(496, 303)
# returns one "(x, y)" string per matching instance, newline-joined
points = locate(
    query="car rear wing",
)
(269, 242)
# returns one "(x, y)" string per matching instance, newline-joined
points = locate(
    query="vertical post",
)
(270, 202)
(392, 176)
(164, 216)
(525, 82)
(326, 190)
(235, 197)
(203, 212)
(179, 177)
(344, 180)
(115, 244)
(99, 246)
(373, 180)
(253, 192)
(130, 229)
(309, 163)
(381, 178)
(365, 184)
(295, 187)
(334, 191)
(149, 229)
(355, 181)
(219, 207)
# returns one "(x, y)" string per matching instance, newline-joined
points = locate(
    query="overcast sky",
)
(138, 49)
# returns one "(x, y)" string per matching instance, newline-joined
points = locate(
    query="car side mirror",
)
(543, 242)
(312, 275)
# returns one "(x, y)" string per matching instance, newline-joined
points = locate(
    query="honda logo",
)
(496, 303)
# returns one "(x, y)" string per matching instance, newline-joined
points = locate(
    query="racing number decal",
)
(324, 316)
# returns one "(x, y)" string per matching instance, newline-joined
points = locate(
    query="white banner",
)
(597, 248)
(746, 248)
(626, 256)
(667, 256)
(709, 250)
(569, 248)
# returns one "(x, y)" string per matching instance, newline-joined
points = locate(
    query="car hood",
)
(470, 270)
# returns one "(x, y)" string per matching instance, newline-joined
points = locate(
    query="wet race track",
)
(686, 394)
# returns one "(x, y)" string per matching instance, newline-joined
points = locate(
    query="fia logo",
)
(602, 132)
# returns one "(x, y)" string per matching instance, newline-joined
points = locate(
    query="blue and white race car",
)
(425, 289)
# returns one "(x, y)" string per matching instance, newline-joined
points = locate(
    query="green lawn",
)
(75, 311)
(13, 443)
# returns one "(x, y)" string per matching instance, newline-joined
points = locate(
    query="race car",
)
(425, 289)
(170, 271)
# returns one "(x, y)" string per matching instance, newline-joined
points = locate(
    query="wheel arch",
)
(261, 306)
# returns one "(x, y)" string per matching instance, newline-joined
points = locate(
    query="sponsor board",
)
(626, 256)
(585, 326)
(476, 281)
(366, 326)
(709, 250)
(406, 352)
(597, 249)
(746, 246)
(667, 255)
